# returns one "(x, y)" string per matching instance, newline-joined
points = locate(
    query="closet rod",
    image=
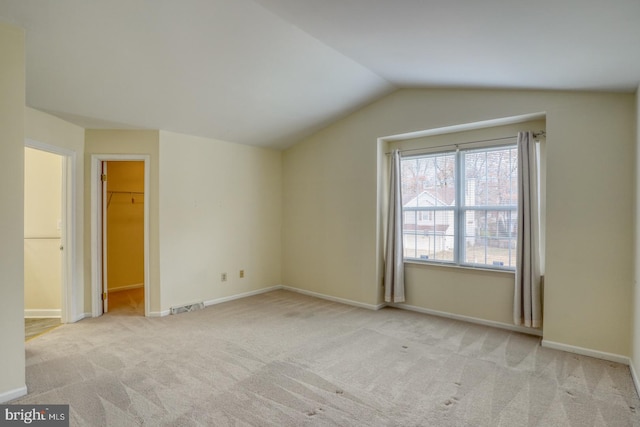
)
(540, 134)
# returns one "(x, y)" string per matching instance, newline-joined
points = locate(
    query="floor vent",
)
(187, 307)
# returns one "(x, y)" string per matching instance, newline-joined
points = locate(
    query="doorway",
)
(49, 231)
(123, 237)
(42, 238)
(120, 234)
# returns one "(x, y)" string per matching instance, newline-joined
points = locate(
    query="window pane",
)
(491, 177)
(429, 181)
(409, 235)
(490, 237)
(429, 235)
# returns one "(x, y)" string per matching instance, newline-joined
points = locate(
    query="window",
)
(460, 207)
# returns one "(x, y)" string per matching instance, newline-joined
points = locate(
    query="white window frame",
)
(459, 210)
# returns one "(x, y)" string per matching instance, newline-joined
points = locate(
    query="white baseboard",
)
(42, 313)
(587, 352)
(127, 287)
(221, 300)
(13, 394)
(334, 299)
(275, 288)
(242, 295)
(469, 319)
(46, 314)
(81, 316)
(159, 313)
(634, 377)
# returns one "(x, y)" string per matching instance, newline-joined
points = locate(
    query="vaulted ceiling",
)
(269, 72)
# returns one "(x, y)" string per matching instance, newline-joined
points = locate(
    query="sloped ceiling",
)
(269, 72)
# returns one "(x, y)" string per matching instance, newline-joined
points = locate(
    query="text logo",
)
(34, 415)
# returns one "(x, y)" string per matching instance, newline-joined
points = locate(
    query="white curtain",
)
(527, 296)
(394, 258)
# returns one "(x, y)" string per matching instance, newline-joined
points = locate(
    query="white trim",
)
(464, 127)
(634, 377)
(413, 262)
(469, 319)
(96, 239)
(586, 352)
(80, 317)
(13, 394)
(276, 288)
(127, 287)
(96, 306)
(70, 283)
(243, 295)
(334, 299)
(42, 313)
(159, 313)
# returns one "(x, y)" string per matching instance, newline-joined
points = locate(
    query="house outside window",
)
(460, 207)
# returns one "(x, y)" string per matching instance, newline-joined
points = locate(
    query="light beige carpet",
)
(284, 359)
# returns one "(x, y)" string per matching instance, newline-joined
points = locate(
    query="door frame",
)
(96, 222)
(69, 279)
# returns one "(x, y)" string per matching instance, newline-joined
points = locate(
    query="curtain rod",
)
(540, 134)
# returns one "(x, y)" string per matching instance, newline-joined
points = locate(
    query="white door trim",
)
(69, 284)
(96, 220)
(104, 286)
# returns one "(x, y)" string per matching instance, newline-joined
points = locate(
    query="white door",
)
(43, 234)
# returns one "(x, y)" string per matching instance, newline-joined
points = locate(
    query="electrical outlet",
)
(241, 274)
(223, 277)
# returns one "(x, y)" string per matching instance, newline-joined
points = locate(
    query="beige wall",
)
(126, 142)
(220, 212)
(125, 225)
(42, 216)
(332, 212)
(12, 101)
(46, 129)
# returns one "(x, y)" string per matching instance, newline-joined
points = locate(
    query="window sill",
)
(458, 267)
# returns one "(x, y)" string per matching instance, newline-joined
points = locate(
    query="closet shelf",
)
(130, 193)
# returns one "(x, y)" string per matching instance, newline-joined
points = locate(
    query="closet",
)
(124, 224)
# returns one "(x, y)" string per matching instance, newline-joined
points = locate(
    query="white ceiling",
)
(269, 72)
